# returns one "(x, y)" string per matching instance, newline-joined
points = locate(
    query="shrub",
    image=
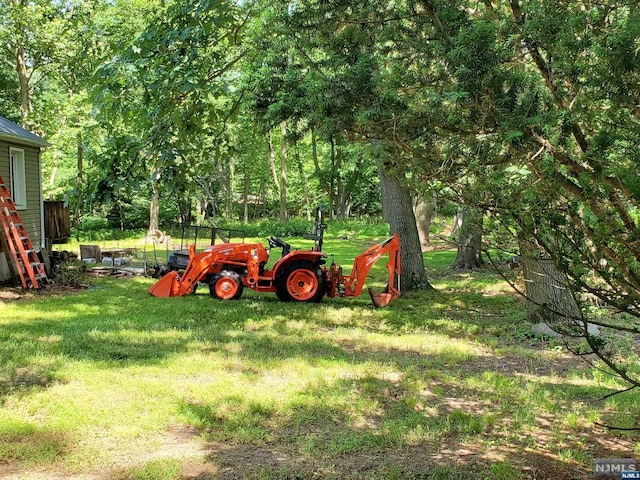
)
(93, 223)
(73, 275)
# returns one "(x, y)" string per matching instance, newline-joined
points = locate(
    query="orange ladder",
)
(30, 269)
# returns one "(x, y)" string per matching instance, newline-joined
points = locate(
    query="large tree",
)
(528, 112)
(543, 98)
(31, 34)
(329, 74)
(168, 95)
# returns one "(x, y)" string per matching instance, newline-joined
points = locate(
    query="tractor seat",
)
(278, 242)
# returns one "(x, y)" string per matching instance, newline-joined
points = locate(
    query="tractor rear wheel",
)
(300, 281)
(226, 286)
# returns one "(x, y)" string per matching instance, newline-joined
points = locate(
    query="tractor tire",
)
(226, 286)
(300, 281)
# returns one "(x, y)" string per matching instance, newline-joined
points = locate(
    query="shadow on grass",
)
(434, 414)
(461, 417)
(115, 324)
(323, 436)
(120, 324)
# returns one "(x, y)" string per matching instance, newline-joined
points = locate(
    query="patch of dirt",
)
(10, 293)
(14, 294)
(410, 463)
(184, 443)
(180, 441)
(546, 363)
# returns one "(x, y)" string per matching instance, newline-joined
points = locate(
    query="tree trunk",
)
(184, 208)
(424, 212)
(154, 232)
(397, 207)
(246, 198)
(303, 181)
(261, 206)
(54, 169)
(228, 189)
(56, 154)
(457, 223)
(79, 177)
(272, 163)
(469, 242)
(24, 78)
(201, 212)
(331, 182)
(80, 152)
(314, 153)
(345, 189)
(154, 208)
(341, 195)
(283, 171)
(549, 299)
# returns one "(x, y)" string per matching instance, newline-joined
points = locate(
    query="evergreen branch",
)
(624, 429)
(609, 395)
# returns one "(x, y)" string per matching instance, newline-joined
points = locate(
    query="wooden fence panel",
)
(57, 222)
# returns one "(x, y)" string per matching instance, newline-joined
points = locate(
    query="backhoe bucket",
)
(164, 287)
(382, 299)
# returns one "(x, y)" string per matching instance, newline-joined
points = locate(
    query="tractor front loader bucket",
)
(163, 288)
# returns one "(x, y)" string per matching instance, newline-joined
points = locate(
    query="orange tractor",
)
(297, 276)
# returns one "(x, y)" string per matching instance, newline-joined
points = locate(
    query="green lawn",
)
(110, 382)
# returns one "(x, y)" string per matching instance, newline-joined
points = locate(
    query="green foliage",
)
(8, 90)
(295, 227)
(131, 215)
(91, 224)
(171, 125)
(298, 227)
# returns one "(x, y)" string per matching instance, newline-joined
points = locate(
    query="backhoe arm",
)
(354, 283)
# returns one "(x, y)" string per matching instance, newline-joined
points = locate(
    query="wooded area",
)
(524, 115)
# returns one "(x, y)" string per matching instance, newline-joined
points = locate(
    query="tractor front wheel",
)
(226, 286)
(300, 281)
